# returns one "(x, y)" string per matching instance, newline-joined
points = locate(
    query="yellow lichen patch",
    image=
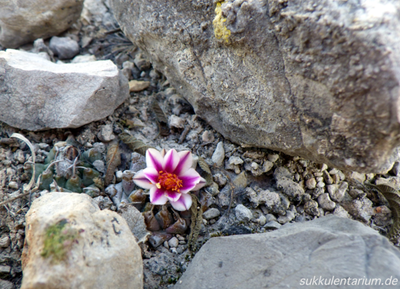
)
(220, 30)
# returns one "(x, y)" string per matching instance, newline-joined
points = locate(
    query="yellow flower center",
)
(169, 182)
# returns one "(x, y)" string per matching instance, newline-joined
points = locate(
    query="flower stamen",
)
(169, 182)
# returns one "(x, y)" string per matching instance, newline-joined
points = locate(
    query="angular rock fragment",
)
(329, 247)
(318, 79)
(24, 21)
(70, 243)
(36, 94)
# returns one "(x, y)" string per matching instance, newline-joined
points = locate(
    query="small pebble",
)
(207, 136)
(218, 155)
(176, 121)
(106, 133)
(270, 218)
(4, 241)
(325, 202)
(138, 85)
(235, 161)
(64, 47)
(311, 183)
(287, 218)
(166, 244)
(273, 157)
(311, 208)
(13, 185)
(173, 242)
(220, 179)
(272, 225)
(99, 165)
(211, 213)
(262, 220)
(242, 213)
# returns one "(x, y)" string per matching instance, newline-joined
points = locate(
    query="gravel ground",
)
(252, 190)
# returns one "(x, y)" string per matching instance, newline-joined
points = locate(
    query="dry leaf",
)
(195, 222)
(113, 160)
(206, 171)
(161, 118)
(133, 143)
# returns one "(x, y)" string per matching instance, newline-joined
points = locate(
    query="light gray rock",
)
(64, 47)
(242, 213)
(219, 154)
(37, 94)
(326, 247)
(294, 76)
(289, 187)
(211, 213)
(360, 209)
(272, 225)
(23, 22)
(268, 198)
(325, 202)
(90, 249)
(4, 284)
(286, 218)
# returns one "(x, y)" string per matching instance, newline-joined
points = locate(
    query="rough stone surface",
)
(314, 79)
(25, 21)
(101, 253)
(77, 93)
(326, 247)
(219, 154)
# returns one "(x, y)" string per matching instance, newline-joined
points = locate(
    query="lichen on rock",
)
(220, 30)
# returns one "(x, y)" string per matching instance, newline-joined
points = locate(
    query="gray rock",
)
(95, 244)
(272, 225)
(265, 197)
(285, 75)
(325, 202)
(282, 172)
(242, 213)
(324, 248)
(289, 187)
(64, 47)
(173, 242)
(311, 183)
(311, 208)
(106, 133)
(360, 209)
(219, 155)
(211, 213)
(286, 218)
(4, 284)
(21, 23)
(37, 94)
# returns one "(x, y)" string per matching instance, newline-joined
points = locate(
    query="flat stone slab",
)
(330, 250)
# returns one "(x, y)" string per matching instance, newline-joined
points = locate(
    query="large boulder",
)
(329, 252)
(318, 79)
(71, 243)
(25, 21)
(37, 94)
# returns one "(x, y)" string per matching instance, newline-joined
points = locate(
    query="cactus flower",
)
(170, 177)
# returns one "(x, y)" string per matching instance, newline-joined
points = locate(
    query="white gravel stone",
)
(173, 242)
(13, 185)
(287, 218)
(176, 121)
(233, 160)
(242, 213)
(219, 155)
(325, 202)
(311, 183)
(211, 213)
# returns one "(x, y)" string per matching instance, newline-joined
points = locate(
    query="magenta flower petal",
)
(171, 160)
(157, 196)
(183, 204)
(142, 181)
(172, 196)
(151, 174)
(189, 179)
(185, 162)
(201, 184)
(154, 159)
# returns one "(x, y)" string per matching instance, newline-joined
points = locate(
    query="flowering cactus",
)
(169, 177)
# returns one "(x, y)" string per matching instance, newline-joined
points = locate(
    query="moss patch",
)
(58, 241)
